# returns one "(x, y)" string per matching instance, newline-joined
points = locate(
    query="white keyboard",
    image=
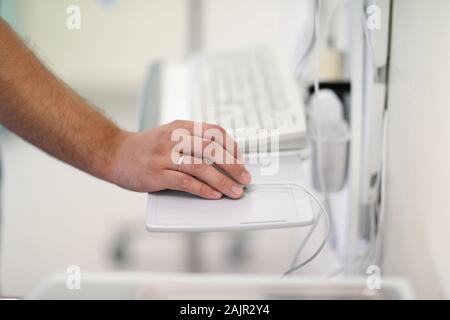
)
(248, 90)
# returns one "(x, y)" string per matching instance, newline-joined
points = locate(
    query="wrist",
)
(116, 156)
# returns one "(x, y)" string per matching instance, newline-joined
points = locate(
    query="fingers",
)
(224, 160)
(200, 142)
(215, 153)
(180, 181)
(237, 172)
(213, 177)
(209, 132)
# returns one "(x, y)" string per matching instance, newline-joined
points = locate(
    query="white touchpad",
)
(260, 208)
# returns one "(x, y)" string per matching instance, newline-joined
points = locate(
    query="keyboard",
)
(250, 93)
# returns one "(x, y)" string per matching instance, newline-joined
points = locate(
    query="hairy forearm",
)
(38, 107)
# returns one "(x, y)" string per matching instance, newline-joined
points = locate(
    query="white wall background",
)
(117, 40)
(416, 243)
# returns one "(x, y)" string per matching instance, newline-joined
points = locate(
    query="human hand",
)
(179, 156)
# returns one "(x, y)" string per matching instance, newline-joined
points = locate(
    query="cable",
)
(304, 242)
(319, 130)
(327, 36)
(317, 44)
(322, 183)
(317, 219)
(311, 44)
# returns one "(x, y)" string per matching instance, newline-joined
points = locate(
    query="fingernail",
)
(216, 194)
(246, 178)
(236, 190)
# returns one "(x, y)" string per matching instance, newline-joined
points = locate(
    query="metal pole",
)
(195, 44)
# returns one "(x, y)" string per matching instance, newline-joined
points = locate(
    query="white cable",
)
(311, 44)
(338, 5)
(323, 212)
(304, 242)
(319, 135)
(322, 183)
(317, 47)
(319, 130)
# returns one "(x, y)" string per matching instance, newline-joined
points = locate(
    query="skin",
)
(37, 106)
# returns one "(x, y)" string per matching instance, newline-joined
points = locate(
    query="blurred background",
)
(55, 216)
